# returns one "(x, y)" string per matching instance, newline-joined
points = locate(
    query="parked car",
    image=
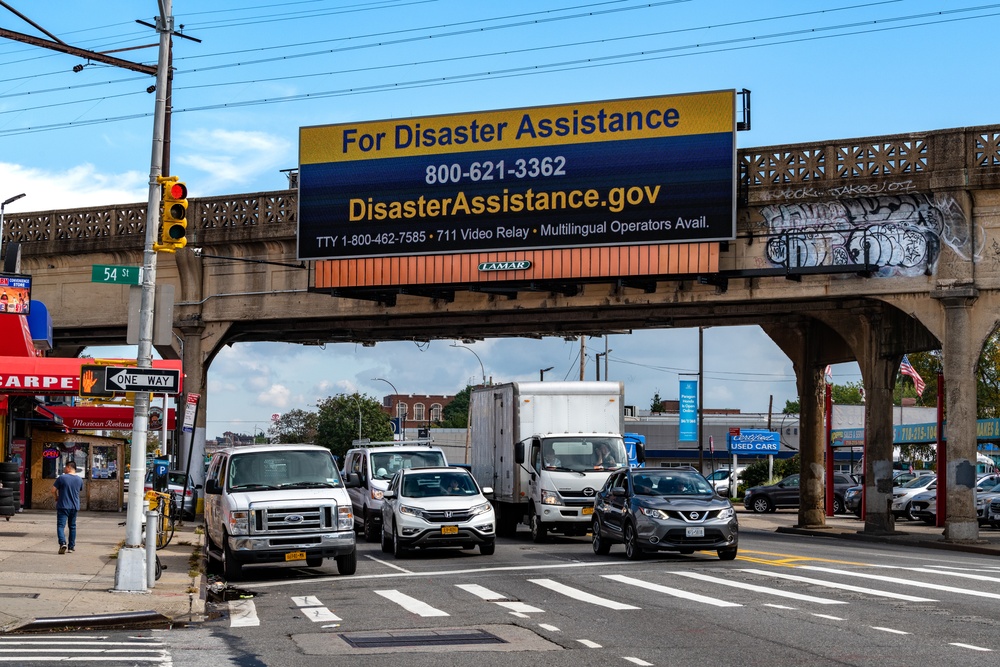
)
(722, 481)
(785, 493)
(663, 509)
(903, 495)
(436, 507)
(176, 485)
(125, 480)
(923, 506)
(852, 498)
(375, 464)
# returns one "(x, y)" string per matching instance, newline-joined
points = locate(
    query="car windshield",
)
(388, 463)
(919, 482)
(717, 475)
(282, 469)
(434, 484)
(670, 483)
(582, 454)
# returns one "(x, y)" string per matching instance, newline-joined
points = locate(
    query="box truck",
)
(546, 448)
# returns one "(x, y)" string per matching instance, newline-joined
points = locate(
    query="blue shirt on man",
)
(69, 486)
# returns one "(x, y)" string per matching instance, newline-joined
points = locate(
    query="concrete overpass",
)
(854, 249)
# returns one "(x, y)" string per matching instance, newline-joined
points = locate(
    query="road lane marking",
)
(589, 644)
(483, 593)
(519, 607)
(319, 614)
(637, 661)
(758, 589)
(947, 573)
(779, 606)
(832, 618)
(676, 592)
(243, 614)
(890, 630)
(582, 596)
(306, 601)
(903, 582)
(411, 605)
(970, 646)
(846, 587)
(789, 560)
(388, 564)
(550, 628)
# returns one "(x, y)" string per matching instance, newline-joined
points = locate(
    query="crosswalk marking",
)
(515, 607)
(319, 614)
(832, 618)
(588, 643)
(550, 628)
(948, 573)
(759, 589)
(637, 661)
(242, 614)
(82, 648)
(889, 630)
(970, 646)
(846, 587)
(410, 604)
(903, 582)
(676, 592)
(582, 596)
(306, 601)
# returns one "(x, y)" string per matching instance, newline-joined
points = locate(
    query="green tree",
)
(337, 421)
(755, 474)
(847, 394)
(456, 413)
(294, 426)
(791, 408)
(657, 404)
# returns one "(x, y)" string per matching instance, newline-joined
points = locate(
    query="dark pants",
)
(62, 517)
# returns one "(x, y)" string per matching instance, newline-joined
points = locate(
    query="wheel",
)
(8, 466)
(632, 549)
(232, 569)
(727, 554)
(487, 548)
(602, 547)
(212, 565)
(538, 531)
(838, 505)
(314, 561)
(908, 512)
(368, 527)
(157, 569)
(347, 565)
(386, 543)
(687, 551)
(164, 530)
(762, 504)
(398, 550)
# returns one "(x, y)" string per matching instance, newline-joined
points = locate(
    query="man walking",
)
(66, 491)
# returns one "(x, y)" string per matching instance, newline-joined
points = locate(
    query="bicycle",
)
(166, 516)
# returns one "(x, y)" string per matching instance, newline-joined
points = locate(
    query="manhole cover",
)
(420, 638)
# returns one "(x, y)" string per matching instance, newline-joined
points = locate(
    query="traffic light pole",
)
(130, 570)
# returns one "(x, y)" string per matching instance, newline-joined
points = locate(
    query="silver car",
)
(671, 509)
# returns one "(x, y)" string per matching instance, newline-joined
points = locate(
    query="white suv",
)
(437, 507)
(375, 465)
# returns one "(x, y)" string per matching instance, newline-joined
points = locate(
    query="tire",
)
(538, 531)
(762, 504)
(487, 548)
(728, 554)
(8, 466)
(348, 565)
(232, 569)
(368, 527)
(908, 512)
(602, 547)
(315, 561)
(838, 505)
(212, 565)
(386, 543)
(632, 549)
(398, 550)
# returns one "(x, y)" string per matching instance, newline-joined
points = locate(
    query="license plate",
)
(587, 510)
(995, 517)
(695, 532)
(449, 530)
(295, 555)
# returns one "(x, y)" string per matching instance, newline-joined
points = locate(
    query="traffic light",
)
(173, 214)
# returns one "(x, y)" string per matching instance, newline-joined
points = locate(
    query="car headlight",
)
(481, 509)
(411, 511)
(550, 498)
(376, 494)
(652, 512)
(853, 492)
(980, 502)
(238, 523)
(345, 518)
(749, 493)
(727, 513)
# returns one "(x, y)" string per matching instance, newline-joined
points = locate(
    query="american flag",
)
(918, 382)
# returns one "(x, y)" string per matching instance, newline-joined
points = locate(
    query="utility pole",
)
(130, 569)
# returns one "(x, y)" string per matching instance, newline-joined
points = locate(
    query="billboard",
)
(638, 171)
(15, 294)
(688, 421)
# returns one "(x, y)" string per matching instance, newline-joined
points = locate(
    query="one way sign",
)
(155, 380)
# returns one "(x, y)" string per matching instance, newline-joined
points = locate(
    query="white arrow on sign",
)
(143, 379)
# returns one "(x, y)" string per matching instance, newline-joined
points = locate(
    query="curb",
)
(982, 549)
(130, 619)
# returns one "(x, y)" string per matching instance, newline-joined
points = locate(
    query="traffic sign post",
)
(153, 380)
(116, 275)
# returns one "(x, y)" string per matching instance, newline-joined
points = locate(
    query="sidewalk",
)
(38, 583)
(848, 527)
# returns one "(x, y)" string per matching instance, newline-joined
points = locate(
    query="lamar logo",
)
(522, 265)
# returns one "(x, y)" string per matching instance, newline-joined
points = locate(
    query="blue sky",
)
(819, 70)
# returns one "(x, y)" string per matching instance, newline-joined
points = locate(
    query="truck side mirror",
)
(351, 480)
(519, 452)
(212, 487)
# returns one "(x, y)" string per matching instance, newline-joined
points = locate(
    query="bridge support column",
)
(960, 360)
(878, 374)
(812, 433)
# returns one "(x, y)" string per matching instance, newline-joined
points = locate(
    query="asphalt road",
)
(786, 600)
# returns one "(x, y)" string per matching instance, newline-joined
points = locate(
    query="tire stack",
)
(10, 494)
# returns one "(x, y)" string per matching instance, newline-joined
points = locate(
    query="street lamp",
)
(402, 424)
(355, 397)
(3, 205)
(542, 372)
(481, 367)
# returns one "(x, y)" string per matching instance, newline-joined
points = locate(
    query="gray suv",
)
(668, 509)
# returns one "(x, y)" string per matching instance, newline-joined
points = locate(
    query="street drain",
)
(420, 638)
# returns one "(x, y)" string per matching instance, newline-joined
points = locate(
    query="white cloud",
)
(229, 158)
(78, 186)
(277, 396)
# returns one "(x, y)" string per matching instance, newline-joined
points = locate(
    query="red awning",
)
(52, 376)
(15, 336)
(93, 418)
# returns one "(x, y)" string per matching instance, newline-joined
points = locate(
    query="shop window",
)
(104, 464)
(56, 455)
